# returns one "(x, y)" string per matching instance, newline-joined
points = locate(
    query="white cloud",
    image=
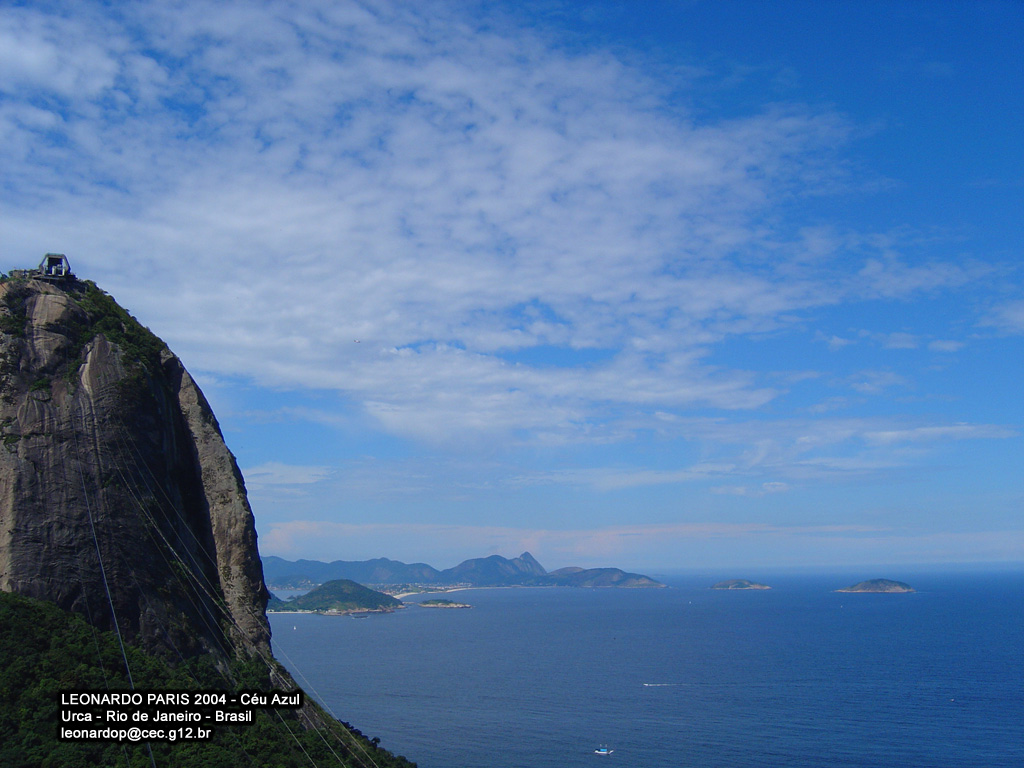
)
(611, 479)
(596, 547)
(905, 340)
(833, 341)
(892, 277)
(742, 490)
(819, 449)
(55, 54)
(450, 192)
(642, 547)
(876, 382)
(947, 432)
(901, 340)
(835, 403)
(373, 179)
(1007, 317)
(275, 474)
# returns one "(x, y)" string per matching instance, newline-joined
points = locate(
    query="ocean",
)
(685, 676)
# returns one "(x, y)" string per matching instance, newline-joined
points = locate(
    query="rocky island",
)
(879, 585)
(739, 584)
(340, 597)
(444, 604)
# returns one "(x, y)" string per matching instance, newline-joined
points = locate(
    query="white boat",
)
(603, 751)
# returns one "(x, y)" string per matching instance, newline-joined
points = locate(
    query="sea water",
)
(686, 676)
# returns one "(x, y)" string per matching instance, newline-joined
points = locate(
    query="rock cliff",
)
(115, 479)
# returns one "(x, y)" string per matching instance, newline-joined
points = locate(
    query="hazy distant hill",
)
(493, 571)
(601, 577)
(302, 574)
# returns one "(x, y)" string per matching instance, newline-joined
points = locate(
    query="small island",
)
(440, 603)
(340, 597)
(879, 585)
(739, 584)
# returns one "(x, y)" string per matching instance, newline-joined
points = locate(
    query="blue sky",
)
(659, 285)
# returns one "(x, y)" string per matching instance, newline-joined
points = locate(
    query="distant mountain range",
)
(493, 571)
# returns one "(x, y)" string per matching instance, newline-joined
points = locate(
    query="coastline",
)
(467, 588)
(443, 591)
(346, 612)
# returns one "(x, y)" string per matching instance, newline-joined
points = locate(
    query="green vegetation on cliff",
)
(46, 651)
(94, 313)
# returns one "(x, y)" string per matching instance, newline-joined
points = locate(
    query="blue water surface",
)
(685, 676)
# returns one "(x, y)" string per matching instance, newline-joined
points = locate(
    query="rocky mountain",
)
(118, 498)
(128, 553)
(495, 571)
(492, 571)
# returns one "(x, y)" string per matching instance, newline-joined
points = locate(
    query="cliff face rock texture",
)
(114, 478)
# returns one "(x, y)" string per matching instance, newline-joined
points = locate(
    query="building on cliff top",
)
(54, 266)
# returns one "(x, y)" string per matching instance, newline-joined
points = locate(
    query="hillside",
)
(339, 596)
(42, 644)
